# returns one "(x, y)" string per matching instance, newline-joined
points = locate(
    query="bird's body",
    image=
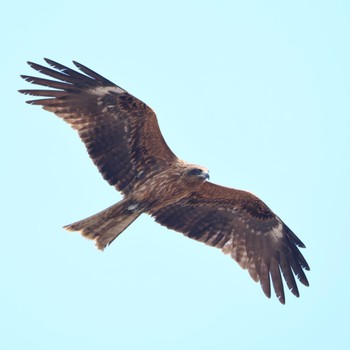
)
(167, 187)
(122, 137)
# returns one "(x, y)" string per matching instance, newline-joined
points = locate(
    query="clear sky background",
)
(256, 91)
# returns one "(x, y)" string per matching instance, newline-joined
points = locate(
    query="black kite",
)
(123, 139)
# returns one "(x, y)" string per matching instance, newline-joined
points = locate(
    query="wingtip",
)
(281, 297)
(50, 62)
(47, 60)
(77, 64)
(24, 91)
(282, 301)
(266, 290)
(300, 244)
(305, 283)
(27, 78)
(30, 63)
(295, 292)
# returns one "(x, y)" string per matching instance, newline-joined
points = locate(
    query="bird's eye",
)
(195, 171)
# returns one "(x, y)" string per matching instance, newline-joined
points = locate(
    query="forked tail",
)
(105, 226)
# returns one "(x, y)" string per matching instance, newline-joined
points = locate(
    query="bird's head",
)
(197, 173)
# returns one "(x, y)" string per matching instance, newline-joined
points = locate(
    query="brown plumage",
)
(123, 139)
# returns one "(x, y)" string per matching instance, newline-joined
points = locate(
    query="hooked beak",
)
(205, 175)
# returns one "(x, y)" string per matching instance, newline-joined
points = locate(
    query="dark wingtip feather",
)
(265, 279)
(93, 74)
(61, 67)
(52, 63)
(293, 237)
(55, 65)
(49, 61)
(27, 78)
(35, 65)
(295, 292)
(78, 65)
(302, 278)
(288, 275)
(282, 300)
(304, 282)
(306, 266)
(277, 282)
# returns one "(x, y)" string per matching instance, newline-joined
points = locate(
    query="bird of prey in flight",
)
(123, 139)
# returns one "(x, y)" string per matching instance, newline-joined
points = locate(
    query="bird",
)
(124, 141)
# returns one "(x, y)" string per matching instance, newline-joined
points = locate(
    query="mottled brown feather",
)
(241, 225)
(121, 133)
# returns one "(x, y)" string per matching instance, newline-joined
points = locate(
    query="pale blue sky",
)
(256, 91)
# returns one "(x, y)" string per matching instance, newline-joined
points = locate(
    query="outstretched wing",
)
(121, 133)
(244, 227)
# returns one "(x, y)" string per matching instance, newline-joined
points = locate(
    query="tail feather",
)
(105, 226)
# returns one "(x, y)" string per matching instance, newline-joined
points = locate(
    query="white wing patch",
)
(103, 90)
(277, 232)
